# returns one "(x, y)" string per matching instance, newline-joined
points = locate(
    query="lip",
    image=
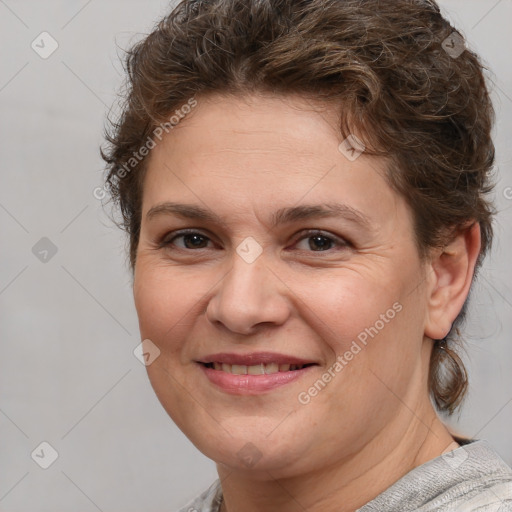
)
(253, 359)
(251, 384)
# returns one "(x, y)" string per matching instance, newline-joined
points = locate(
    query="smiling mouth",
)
(257, 369)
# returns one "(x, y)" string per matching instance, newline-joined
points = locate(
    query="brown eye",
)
(191, 240)
(320, 242)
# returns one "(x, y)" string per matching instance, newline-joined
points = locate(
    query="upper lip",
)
(253, 358)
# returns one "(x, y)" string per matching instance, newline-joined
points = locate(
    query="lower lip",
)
(251, 384)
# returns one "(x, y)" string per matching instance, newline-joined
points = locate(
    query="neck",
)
(348, 484)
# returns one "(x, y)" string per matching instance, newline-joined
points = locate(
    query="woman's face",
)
(269, 279)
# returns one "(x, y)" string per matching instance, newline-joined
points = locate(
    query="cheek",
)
(164, 300)
(375, 324)
(348, 303)
(165, 306)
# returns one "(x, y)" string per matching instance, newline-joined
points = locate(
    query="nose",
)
(250, 296)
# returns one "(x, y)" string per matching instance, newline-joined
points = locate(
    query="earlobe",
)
(452, 271)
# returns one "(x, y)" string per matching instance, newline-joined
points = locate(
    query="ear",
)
(451, 273)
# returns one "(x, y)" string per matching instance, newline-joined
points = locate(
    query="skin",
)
(243, 158)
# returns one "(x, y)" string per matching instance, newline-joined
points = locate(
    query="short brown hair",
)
(410, 99)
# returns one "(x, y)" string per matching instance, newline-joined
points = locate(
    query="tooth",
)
(239, 369)
(257, 369)
(271, 368)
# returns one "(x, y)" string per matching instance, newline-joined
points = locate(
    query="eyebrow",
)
(282, 216)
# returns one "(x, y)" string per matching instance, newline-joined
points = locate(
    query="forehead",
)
(263, 150)
(255, 124)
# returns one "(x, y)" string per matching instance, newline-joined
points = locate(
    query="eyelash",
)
(310, 233)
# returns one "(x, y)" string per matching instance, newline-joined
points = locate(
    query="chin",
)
(252, 449)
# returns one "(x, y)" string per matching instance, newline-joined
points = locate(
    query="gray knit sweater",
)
(471, 478)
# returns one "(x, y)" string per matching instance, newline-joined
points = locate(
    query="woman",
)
(304, 188)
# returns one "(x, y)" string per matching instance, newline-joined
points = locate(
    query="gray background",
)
(68, 326)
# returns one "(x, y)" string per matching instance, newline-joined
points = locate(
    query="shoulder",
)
(208, 501)
(471, 478)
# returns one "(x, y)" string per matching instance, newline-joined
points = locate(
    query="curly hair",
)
(428, 110)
